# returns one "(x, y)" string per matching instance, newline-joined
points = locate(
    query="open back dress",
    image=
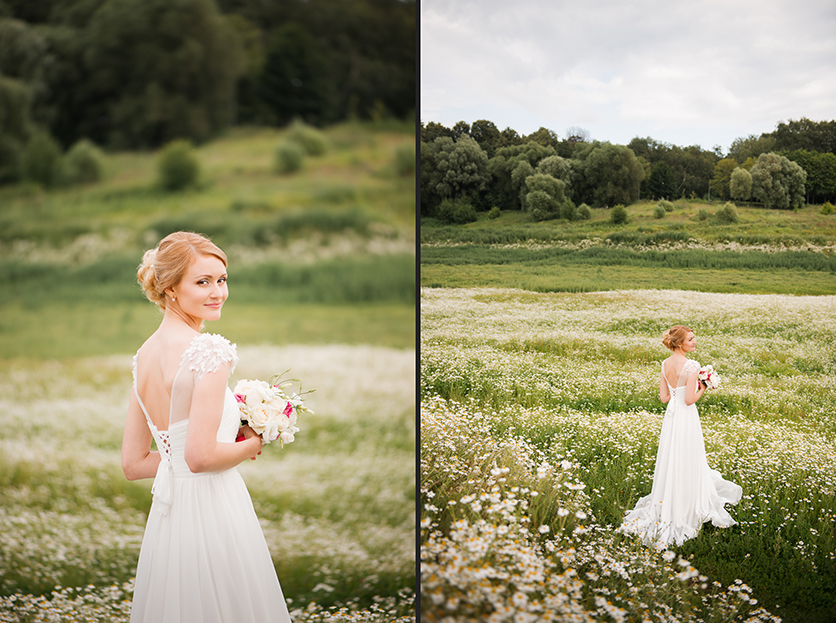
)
(686, 492)
(203, 557)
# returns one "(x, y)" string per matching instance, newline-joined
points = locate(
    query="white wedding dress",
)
(686, 492)
(203, 556)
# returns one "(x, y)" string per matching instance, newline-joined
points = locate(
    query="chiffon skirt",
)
(686, 492)
(205, 557)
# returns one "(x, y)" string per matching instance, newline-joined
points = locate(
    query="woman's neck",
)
(176, 318)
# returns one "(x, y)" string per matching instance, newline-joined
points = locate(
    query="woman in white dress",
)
(686, 492)
(203, 556)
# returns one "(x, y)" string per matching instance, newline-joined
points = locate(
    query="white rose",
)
(287, 437)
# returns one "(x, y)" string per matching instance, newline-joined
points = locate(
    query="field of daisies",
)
(337, 505)
(539, 423)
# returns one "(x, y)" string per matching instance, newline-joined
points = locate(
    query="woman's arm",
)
(694, 390)
(137, 459)
(664, 392)
(204, 453)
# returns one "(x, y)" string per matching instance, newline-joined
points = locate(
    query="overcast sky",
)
(686, 73)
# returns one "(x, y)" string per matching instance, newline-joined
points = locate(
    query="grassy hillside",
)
(767, 251)
(325, 254)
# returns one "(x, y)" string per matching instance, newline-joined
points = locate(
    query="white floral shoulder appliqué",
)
(207, 352)
(691, 365)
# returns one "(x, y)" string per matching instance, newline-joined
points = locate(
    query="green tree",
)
(158, 69)
(41, 160)
(806, 134)
(15, 127)
(545, 197)
(454, 170)
(434, 130)
(751, 147)
(557, 167)
(740, 184)
(821, 173)
(292, 83)
(606, 174)
(460, 128)
(778, 182)
(509, 168)
(661, 183)
(487, 135)
(545, 137)
(722, 176)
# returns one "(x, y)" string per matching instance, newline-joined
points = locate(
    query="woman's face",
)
(690, 343)
(202, 291)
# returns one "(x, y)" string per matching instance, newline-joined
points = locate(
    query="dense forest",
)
(477, 167)
(129, 74)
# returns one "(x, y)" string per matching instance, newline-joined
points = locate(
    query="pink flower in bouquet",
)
(709, 376)
(268, 410)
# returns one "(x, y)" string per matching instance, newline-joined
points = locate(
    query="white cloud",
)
(684, 73)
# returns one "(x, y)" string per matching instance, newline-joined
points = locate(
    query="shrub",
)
(289, 157)
(456, 211)
(584, 213)
(541, 206)
(83, 163)
(405, 160)
(827, 208)
(494, 212)
(659, 211)
(568, 211)
(667, 206)
(41, 160)
(311, 140)
(618, 215)
(703, 215)
(728, 213)
(178, 167)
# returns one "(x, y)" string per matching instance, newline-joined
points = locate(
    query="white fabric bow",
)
(163, 485)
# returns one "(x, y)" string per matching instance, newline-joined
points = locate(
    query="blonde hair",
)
(166, 265)
(673, 337)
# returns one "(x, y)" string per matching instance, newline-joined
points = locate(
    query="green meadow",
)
(322, 281)
(767, 251)
(540, 354)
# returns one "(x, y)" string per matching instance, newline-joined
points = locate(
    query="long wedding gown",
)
(686, 492)
(203, 556)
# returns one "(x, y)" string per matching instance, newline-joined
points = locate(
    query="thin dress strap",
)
(671, 388)
(164, 480)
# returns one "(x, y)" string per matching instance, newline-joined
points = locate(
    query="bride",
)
(686, 492)
(203, 556)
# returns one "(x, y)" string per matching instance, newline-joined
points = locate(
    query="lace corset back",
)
(688, 369)
(205, 354)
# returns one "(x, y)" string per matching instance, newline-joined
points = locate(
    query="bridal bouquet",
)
(268, 410)
(709, 376)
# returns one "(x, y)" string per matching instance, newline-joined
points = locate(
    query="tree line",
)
(139, 73)
(548, 176)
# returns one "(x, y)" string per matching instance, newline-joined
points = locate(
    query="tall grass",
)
(569, 382)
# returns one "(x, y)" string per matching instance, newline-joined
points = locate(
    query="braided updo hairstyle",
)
(164, 266)
(673, 337)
